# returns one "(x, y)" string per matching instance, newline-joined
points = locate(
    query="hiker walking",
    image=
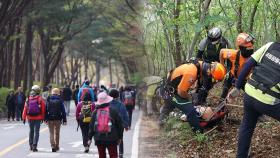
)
(19, 102)
(66, 96)
(262, 92)
(106, 127)
(55, 115)
(235, 59)
(86, 88)
(120, 108)
(129, 102)
(11, 106)
(180, 82)
(75, 94)
(208, 51)
(83, 116)
(34, 112)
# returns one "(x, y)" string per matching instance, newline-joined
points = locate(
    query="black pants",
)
(253, 109)
(207, 84)
(121, 148)
(226, 86)
(11, 112)
(84, 129)
(129, 110)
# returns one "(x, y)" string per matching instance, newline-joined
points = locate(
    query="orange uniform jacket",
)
(41, 116)
(186, 75)
(231, 55)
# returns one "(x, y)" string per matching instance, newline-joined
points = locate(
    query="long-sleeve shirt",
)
(116, 104)
(62, 108)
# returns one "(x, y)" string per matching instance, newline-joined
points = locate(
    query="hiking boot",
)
(34, 148)
(53, 150)
(120, 155)
(86, 149)
(57, 148)
(30, 147)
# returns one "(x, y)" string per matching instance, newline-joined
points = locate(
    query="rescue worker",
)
(180, 80)
(262, 92)
(208, 51)
(234, 59)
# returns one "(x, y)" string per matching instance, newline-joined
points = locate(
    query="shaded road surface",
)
(14, 141)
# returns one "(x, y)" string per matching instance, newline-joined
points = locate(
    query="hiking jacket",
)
(120, 108)
(22, 96)
(62, 108)
(79, 108)
(41, 116)
(90, 91)
(10, 101)
(66, 94)
(209, 52)
(116, 130)
(75, 94)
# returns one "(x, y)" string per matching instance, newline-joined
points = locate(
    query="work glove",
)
(23, 121)
(232, 94)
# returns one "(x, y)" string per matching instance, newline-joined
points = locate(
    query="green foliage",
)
(3, 94)
(201, 138)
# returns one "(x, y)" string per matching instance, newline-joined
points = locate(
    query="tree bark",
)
(178, 45)
(28, 53)
(17, 68)
(197, 33)
(239, 16)
(252, 17)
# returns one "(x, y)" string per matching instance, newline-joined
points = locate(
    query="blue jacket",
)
(120, 108)
(63, 113)
(90, 91)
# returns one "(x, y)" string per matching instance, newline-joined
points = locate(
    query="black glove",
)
(23, 121)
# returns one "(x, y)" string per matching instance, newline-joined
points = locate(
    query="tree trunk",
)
(178, 45)
(97, 68)
(17, 69)
(252, 17)
(110, 71)
(28, 51)
(197, 33)
(239, 16)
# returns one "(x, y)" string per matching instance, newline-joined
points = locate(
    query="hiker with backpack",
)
(34, 112)
(86, 89)
(106, 127)
(180, 81)
(19, 101)
(129, 102)
(117, 104)
(66, 96)
(55, 115)
(235, 59)
(83, 116)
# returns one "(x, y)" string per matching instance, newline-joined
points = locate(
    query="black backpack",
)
(54, 109)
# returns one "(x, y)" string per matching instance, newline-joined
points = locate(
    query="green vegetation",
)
(3, 94)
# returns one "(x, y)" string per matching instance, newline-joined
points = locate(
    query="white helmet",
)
(214, 34)
(36, 89)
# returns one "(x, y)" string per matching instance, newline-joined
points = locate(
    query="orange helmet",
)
(244, 40)
(218, 71)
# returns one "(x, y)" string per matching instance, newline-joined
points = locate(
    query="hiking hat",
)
(36, 89)
(55, 91)
(103, 98)
(244, 40)
(214, 35)
(114, 93)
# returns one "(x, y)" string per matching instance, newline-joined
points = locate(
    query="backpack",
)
(86, 112)
(34, 108)
(54, 109)
(128, 98)
(85, 92)
(103, 122)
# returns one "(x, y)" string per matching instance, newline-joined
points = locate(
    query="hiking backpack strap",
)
(236, 63)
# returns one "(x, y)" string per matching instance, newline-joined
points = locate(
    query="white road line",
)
(135, 142)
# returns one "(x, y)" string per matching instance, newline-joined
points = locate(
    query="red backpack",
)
(103, 122)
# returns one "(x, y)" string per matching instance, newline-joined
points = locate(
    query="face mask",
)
(246, 53)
